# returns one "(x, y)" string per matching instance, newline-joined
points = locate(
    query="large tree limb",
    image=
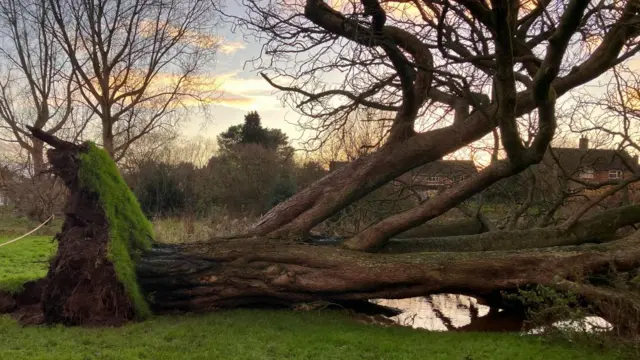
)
(414, 83)
(596, 229)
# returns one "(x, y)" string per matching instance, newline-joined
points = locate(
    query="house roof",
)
(572, 159)
(447, 168)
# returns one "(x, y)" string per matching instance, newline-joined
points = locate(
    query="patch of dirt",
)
(25, 306)
(31, 294)
(7, 303)
(28, 310)
(30, 315)
(378, 320)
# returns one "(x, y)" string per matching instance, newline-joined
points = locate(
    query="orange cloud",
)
(398, 9)
(528, 5)
(149, 28)
(212, 89)
(230, 47)
(195, 38)
(222, 99)
(229, 90)
(257, 92)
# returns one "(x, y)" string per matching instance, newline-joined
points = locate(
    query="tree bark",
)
(37, 157)
(452, 228)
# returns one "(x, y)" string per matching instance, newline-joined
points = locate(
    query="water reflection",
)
(436, 312)
(446, 312)
(588, 324)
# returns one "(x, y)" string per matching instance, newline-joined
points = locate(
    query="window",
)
(615, 174)
(458, 178)
(433, 178)
(587, 173)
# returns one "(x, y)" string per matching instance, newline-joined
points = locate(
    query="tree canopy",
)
(252, 132)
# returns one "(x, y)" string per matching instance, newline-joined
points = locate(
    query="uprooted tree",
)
(488, 63)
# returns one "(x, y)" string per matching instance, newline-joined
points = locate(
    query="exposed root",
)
(82, 287)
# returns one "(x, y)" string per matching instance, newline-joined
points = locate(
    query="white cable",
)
(29, 233)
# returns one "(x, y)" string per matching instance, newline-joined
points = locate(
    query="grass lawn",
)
(261, 334)
(24, 260)
(250, 334)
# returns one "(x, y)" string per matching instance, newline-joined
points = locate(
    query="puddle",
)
(588, 324)
(446, 312)
(436, 312)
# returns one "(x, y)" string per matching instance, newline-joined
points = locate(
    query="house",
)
(593, 165)
(440, 174)
(432, 177)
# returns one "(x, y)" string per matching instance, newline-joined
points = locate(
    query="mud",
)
(7, 303)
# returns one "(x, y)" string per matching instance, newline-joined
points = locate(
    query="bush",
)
(36, 197)
(248, 180)
(164, 189)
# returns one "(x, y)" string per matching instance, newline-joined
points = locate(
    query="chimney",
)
(584, 143)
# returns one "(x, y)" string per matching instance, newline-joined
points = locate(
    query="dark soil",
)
(28, 308)
(7, 303)
(25, 306)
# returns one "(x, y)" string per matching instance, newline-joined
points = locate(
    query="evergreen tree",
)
(252, 132)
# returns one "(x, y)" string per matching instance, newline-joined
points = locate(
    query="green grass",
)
(254, 334)
(24, 260)
(129, 229)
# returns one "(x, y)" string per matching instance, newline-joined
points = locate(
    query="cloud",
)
(397, 9)
(230, 47)
(230, 90)
(201, 39)
(255, 93)
(150, 28)
(221, 99)
(227, 89)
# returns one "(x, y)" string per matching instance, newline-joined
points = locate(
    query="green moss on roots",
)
(129, 230)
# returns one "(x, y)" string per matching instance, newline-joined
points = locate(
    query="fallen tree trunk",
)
(453, 228)
(595, 229)
(100, 277)
(230, 273)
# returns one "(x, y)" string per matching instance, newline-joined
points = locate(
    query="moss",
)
(129, 229)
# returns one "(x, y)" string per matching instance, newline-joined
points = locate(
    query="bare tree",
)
(137, 63)
(36, 89)
(36, 85)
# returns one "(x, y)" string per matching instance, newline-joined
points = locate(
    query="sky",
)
(243, 89)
